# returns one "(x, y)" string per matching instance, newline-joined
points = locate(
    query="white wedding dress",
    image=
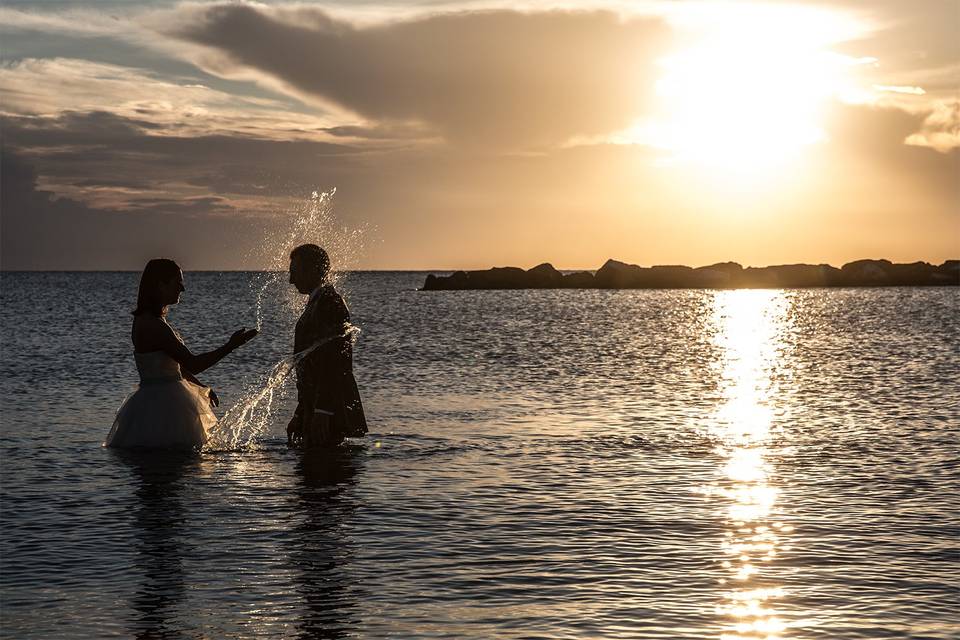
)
(166, 412)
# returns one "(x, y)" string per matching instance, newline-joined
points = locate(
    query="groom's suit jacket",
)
(325, 381)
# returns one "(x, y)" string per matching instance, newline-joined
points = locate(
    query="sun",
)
(749, 88)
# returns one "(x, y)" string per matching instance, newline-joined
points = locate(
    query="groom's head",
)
(309, 265)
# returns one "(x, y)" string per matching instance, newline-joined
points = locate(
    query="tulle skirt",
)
(173, 414)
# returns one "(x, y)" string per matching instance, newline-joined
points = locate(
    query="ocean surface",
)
(540, 464)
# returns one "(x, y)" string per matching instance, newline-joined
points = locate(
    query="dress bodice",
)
(157, 366)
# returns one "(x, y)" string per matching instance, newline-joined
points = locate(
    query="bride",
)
(171, 409)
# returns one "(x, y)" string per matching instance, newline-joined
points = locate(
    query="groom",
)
(328, 401)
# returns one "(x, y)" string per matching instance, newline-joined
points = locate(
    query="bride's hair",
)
(148, 295)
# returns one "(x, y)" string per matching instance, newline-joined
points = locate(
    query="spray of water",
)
(311, 221)
(245, 421)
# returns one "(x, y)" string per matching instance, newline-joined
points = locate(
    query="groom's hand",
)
(294, 435)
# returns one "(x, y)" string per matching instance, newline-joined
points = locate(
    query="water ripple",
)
(604, 464)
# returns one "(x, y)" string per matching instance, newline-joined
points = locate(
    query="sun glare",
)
(751, 325)
(748, 90)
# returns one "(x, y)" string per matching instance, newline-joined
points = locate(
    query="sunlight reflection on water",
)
(750, 332)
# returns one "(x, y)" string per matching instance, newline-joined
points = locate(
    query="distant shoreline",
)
(619, 275)
(725, 275)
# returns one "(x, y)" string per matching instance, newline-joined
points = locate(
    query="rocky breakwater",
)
(725, 275)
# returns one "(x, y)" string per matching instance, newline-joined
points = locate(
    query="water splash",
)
(303, 226)
(246, 420)
(311, 221)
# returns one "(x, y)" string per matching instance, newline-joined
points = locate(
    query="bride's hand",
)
(241, 337)
(214, 400)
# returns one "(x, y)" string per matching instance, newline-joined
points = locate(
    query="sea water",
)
(577, 463)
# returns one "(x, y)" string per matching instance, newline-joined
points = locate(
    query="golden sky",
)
(467, 135)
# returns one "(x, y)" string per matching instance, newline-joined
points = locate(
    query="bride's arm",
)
(214, 399)
(194, 364)
(189, 377)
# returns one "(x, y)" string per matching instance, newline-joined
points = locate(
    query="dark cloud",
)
(103, 149)
(88, 131)
(382, 132)
(40, 230)
(218, 193)
(89, 128)
(210, 200)
(484, 76)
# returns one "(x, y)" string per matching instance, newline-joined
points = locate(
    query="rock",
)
(756, 278)
(732, 269)
(860, 273)
(670, 277)
(793, 275)
(912, 274)
(867, 273)
(722, 274)
(579, 280)
(620, 275)
(459, 280)
(543, 276)
(498, 278)
(456, 280)
(949, 272)
(710, 279)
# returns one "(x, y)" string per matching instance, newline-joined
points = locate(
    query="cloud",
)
(205, 205)
(915, 91)
(40, 230)
(941, 129)
(500, 77)
(178, 106)
(62, 20)
(116, 163)
(873, 136)
(106, 165)
(211, 201)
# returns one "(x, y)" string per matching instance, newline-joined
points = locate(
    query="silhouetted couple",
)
(172, 409)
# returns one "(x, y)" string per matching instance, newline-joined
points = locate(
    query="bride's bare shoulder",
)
(148, 322)
(149, 332)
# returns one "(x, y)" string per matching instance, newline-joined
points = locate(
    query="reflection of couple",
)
(317, 548)
(172, 409)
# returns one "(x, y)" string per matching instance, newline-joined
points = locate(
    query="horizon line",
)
(453, 270)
